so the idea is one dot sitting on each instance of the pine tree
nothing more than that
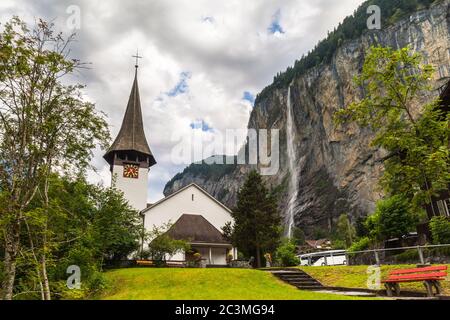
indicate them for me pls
(346, 231)
(257, 222)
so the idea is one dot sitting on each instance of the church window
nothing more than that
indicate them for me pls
(192, 197)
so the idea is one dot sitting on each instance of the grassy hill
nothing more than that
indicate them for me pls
(356, 277)
(202, 284)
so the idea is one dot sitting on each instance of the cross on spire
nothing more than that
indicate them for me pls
(137, 56)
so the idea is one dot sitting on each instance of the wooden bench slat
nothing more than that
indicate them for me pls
(416, 277)
(418, 270)
(144, 262)
(413, 280)
(419, 276)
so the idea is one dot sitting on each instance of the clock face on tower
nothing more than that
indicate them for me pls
(131, 171)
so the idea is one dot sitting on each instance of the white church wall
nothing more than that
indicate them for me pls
(135, 190)
(189, 201)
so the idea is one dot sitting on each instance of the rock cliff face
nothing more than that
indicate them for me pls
(337, 169)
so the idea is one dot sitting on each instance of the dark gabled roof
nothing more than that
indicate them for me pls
(195, 229)
(317, 243)
(131, 136)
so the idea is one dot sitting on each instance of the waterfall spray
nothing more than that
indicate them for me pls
(292, 156)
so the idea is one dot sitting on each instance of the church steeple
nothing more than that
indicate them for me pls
(129, 156)
(131, 140)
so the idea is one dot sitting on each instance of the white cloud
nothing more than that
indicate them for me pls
(224, 45)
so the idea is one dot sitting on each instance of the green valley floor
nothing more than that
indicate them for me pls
(202, 284)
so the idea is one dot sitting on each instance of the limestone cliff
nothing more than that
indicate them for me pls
(337, 170)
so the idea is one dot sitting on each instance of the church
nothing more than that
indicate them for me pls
(195, 216)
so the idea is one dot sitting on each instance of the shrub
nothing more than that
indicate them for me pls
(162, 245)
(408, 256)
(393, 218)
(440, 230)
(298, 236)
(319, 233)
(197, 256)
(1, 271)
(97, 283)
(346, 232)
(339, 244)
(360, 245)
(285, 254)
(61, 292)
(444, 251)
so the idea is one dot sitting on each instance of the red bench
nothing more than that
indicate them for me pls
(429, 275)
(170, 264)
(145, 263)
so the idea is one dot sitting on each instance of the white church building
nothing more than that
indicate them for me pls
(195, 215)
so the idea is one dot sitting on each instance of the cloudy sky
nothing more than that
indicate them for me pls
(203, 62)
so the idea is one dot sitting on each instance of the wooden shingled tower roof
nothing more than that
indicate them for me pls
(131, 137)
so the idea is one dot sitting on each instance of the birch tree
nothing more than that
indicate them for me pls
(45, 125)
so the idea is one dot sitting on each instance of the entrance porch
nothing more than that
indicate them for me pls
(211, 254)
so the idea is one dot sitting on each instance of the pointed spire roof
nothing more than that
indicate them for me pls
(131, 136)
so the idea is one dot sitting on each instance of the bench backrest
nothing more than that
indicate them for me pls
(432, 269)
(144, 262)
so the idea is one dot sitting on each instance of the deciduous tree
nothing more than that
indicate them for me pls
(414, 135)
(45, 125)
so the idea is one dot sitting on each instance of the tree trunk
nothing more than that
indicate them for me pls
(33, 251)
(47, 295)
(11, 251)
(258, 257)
(46, 286)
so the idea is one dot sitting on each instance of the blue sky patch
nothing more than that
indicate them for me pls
(182, 85)
(248, 96)
(275, 25)
(201, 124)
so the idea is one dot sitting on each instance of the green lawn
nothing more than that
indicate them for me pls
(356, 277)
(202, 284)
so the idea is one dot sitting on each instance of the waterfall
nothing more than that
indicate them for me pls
(293, 165)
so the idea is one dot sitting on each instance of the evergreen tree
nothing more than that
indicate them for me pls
(257, 222)
(298, 236)
(346, 231)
